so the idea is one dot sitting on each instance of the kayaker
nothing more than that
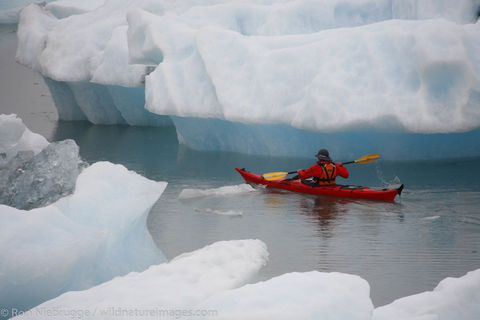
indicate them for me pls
(324, 171)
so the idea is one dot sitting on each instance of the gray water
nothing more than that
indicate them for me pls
(401, 248)
(404, 247)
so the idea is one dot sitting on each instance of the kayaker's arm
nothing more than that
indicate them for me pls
(341, 170)
(305, 174)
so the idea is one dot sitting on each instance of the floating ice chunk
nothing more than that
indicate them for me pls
(15, 137)
(222, 191)
(32, 181)
(309, 295)
(180, 284)
(453, 298)
(232, 213)
(430, 218)
(81, 240)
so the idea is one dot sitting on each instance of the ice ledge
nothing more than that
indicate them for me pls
(282, 140)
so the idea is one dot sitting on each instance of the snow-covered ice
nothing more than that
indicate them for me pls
(308, 295)
(213, 279)
(453, 298)
(81, 240)
(335, 79)
(232, 75)
(179, 284)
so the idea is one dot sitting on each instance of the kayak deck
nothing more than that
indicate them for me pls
(302, 186)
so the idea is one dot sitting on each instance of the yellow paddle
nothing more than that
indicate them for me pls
(280, 175)
(365, 159)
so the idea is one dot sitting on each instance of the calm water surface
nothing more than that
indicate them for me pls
(401, 248)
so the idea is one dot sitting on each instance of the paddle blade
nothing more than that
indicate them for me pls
(274, 175)
(368, 158)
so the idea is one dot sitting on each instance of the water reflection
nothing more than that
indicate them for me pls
(324, 212)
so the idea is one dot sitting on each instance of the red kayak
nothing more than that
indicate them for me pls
(336, 190)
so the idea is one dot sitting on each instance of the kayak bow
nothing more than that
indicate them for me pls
(337, 190)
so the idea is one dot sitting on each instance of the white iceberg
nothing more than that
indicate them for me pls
(308, 295)
(81, 240)
(453, 298)
(164, 289)
(270, 77)
(210, 282)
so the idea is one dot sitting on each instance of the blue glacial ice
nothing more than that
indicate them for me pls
(270, 77)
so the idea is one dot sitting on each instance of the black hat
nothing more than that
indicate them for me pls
(323, 155)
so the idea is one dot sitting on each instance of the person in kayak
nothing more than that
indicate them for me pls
(324, 171)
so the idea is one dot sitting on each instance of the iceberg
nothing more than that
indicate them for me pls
(167, 288)
(453, 298)
(211, 282)
(307, 295)
(89, 237)
(270, 77)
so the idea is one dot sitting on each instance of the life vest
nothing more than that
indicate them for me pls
(327, 177)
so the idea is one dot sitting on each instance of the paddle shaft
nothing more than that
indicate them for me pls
(349, 162)
(280, 175)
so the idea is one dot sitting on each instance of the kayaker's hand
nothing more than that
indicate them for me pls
(339, 163)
